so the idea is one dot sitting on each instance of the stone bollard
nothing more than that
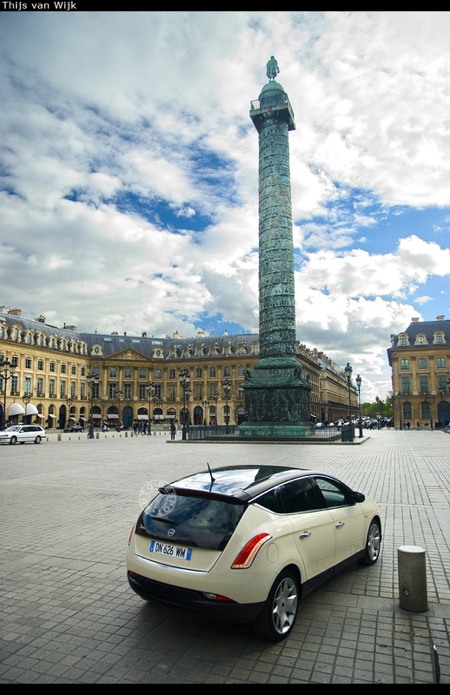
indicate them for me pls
(59, 437)
(412, 578)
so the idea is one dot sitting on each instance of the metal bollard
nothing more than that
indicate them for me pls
(412, 578)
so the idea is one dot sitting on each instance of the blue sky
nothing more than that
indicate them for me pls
(129, 172)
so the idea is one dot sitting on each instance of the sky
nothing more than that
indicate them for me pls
(129, 172)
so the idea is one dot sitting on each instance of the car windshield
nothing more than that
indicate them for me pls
(198, 520)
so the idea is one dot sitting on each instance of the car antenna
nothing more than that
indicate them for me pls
(212, 477)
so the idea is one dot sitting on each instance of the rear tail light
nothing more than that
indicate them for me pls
(131, 533)
(248, 552)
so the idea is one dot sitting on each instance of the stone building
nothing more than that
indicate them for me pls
(420, 362)
(47, 371)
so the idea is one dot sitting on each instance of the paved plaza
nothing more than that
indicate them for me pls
(68, 615)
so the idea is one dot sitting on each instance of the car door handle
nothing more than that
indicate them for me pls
(306, 534)
(340, 524)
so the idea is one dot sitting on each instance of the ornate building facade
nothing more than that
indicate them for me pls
(55, 376)
(420, 362)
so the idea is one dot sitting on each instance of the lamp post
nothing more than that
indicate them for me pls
(69, 404)
(26, 399)
(430, 400)
(400, 409)
(103, 402)
(92, 380)
(226, 383)
(7, 370)
(205, 410)
(216, 398)
(348, 371)
(150, 389)
(118, 395)
(184, 380)
(358, 384)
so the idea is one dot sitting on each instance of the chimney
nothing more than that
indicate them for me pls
(440, 318)
(415, 319)
(15, 312)
(41, 319)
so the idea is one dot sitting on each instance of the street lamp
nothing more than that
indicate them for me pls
(26, 399)
(226, 383)
(216, 398)
(69, 404)
(150, 389)
(430, 400)
(119, 395)
(7, 370)
(184, 380)
(358, 384)
(400, 409)
(348, 371)
(205, 410)
(92, 380)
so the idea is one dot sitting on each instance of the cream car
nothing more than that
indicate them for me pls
(246, 543)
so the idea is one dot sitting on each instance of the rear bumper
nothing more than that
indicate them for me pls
(227, 611)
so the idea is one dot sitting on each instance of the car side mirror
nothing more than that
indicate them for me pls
(359, 497)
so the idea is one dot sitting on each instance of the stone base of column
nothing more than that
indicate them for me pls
(276, 400)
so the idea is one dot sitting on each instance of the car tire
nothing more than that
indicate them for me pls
(13, 440)
(38, 440)
(277, 619)
(373, 544)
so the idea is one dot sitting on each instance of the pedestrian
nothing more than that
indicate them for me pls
(173, 430)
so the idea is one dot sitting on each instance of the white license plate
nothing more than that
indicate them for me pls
(175, 551)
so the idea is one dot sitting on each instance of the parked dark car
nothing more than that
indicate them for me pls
(75, 428)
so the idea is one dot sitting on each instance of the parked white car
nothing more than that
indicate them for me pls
(22, 433)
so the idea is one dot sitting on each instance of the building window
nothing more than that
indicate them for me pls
(27, 384)
(407, 411)
(198, 392)
(96, 371)
(40, 386)
(127, 373)
(405, 386)
(127, 391)
(241, 371)
(438, 338)
(422, 362)
(27, 362)
(198, 373)
(15, 361)
(442, 383)
(14, 384)
(420, 339)
(227, 371)
(142, 374)
(142, 392)
(63, 369)
(212, 372)
(402, 340)
(157, 374)
(404, 364)
(62, 389)
(40, 365)
(112, 372)
(440, 362)
(83, 371)
(112, 390)
(51, 387)
(423, 384)
(52, 367)
(425, 410)
(172, 374)
(171, 392)
(74, 369)
(83, 391)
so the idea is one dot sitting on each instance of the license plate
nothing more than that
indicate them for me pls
(175, 551)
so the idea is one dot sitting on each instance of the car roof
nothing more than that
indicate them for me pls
(241, 482)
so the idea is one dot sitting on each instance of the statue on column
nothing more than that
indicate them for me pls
(272, 68)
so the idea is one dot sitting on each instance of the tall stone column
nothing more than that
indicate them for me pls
(277, 396)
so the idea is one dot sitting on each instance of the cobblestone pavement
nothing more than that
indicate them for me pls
(68, 615)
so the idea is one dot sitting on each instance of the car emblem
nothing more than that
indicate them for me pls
(171, 532)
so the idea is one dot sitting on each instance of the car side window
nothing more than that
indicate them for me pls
(333, 494)
(272, 501)
(300, 496)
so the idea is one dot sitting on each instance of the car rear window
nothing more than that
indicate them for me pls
(198, 520)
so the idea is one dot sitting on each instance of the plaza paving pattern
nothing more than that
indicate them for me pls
(68, 615)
